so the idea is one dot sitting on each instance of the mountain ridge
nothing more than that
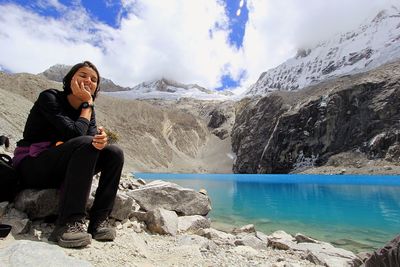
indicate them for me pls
(350, 119)
(169, 89)
(163, 88)
(370, 45)
(58, 71)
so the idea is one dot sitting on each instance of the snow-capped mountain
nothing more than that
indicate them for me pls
(159, 89)
(169, 89)
(370, 45)
(58, 71)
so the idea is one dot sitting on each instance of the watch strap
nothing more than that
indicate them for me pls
(85, 105)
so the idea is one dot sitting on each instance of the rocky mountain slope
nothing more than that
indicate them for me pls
(155, 137)
(287, 131)
(370, 45)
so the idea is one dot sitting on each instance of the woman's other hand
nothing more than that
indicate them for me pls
(100, 139)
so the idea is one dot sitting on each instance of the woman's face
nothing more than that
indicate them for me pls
(88, 77)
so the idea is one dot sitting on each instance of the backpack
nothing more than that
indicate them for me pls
(9, 181)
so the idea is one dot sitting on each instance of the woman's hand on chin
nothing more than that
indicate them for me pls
(78, 90)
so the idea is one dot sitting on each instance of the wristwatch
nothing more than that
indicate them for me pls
(85, 105)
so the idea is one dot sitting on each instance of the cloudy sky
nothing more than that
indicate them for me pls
(218, 44)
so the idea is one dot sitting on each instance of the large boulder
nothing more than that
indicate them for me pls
(170, 196)
(29, 253)
(44, 203)
(123, 207)
(320, 253)
(38, 203)
(389, 255)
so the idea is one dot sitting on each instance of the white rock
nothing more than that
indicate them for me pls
(162, 221)
(245, 251)
(192, 223)
(23, 253)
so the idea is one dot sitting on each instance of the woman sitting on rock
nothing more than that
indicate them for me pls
(62, 147)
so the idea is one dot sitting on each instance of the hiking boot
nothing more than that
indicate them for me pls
(71, 235)
(101, 230)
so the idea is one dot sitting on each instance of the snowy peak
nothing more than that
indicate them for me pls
(165, 85)
(158, 89)
(370, 45)
(56, 72)
(169, 89)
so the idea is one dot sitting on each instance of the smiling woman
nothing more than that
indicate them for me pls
(63, 148)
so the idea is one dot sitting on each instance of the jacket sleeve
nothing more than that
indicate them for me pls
(52, 110)
(92, 125)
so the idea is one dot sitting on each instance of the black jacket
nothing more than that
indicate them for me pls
(53, 119)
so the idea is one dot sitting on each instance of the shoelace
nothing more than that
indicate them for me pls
(76, 227)
(103, 224)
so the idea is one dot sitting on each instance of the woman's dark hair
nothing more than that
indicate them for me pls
(67, 79)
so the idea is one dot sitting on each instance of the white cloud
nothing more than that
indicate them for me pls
(182, 40)
(31, 43)
(51, 3)
(174, 39)
(276, 29)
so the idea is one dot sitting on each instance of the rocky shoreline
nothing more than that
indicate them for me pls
(136, 247)
(158, 224)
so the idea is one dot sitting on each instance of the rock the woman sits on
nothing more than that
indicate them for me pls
(62, 147)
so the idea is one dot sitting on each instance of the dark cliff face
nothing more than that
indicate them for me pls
(254, 124)
(277, 134)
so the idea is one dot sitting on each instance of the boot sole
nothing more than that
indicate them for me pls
(75, 243)
(106, 236)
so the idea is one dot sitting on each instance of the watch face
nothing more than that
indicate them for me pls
(85, 105)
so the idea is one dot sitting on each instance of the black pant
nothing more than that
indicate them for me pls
(71, 167)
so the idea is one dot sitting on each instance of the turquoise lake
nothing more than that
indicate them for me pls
(356, 212)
